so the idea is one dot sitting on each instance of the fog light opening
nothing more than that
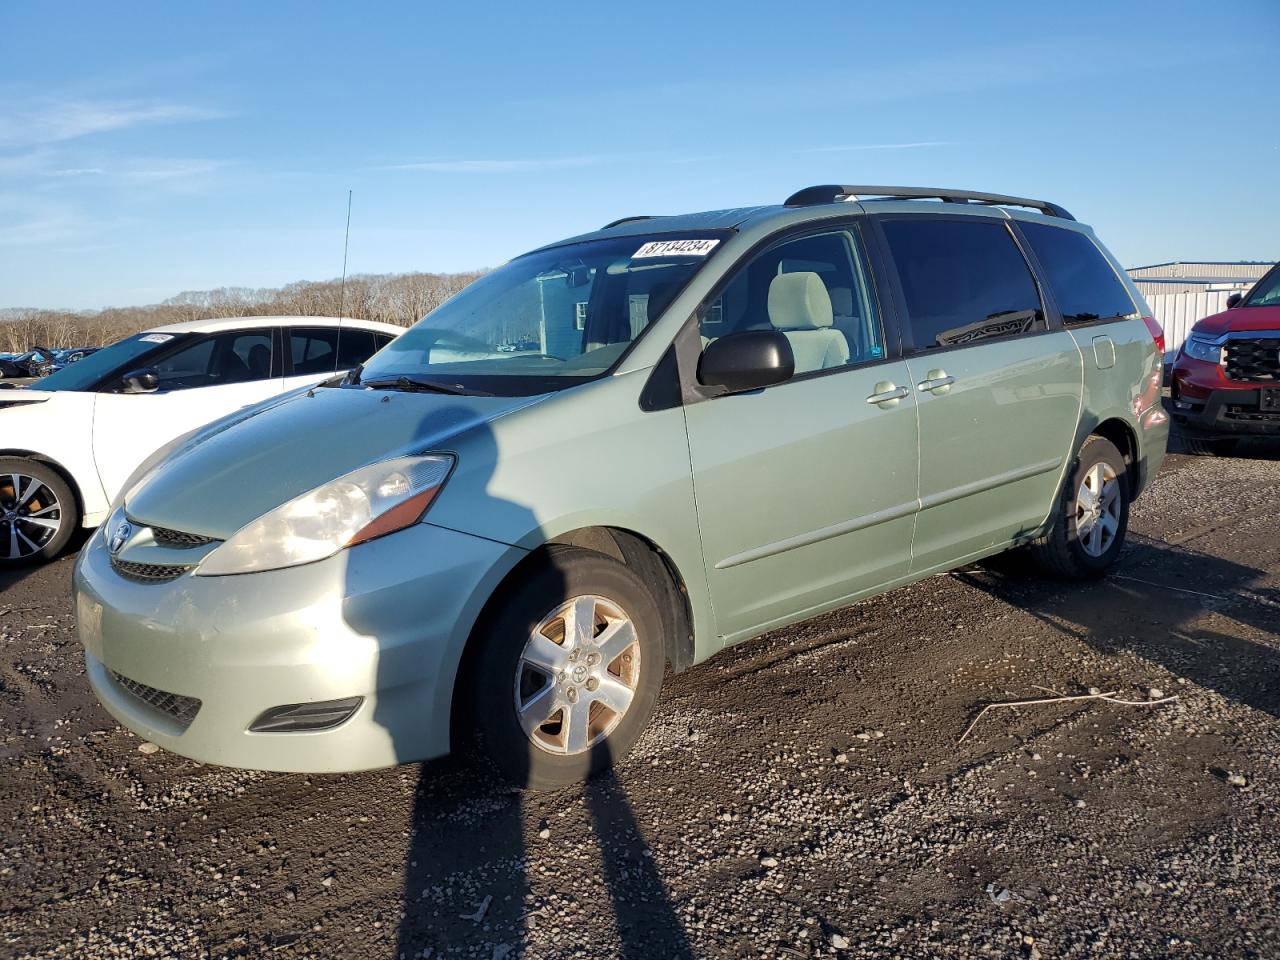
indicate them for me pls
(293, 717)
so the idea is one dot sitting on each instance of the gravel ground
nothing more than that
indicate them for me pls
(804, 795)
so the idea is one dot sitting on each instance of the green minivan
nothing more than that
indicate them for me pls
(621, 453)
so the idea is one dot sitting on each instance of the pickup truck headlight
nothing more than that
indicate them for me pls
(366, 503)
(1199, 348)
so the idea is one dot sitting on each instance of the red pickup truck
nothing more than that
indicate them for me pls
(1226, 376)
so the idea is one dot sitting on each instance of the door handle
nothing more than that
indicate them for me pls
(937, 382)
(888, 394)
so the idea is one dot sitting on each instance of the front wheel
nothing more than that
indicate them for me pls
(1091, 515)
(567, 669)
(38, 512)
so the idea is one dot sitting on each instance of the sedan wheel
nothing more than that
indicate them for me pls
(1098, 509)
(37, 512)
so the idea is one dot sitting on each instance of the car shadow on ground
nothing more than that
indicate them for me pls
(1182, 593)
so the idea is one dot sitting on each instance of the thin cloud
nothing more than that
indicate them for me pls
(853, 148)
(69, 120)
(496, 166)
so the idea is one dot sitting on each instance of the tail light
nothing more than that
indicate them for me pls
(1157, 332)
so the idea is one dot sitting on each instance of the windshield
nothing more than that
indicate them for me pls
(119, 358)
(547, 320)
(1267, 291)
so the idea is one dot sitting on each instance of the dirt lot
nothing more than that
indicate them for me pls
(803, 795)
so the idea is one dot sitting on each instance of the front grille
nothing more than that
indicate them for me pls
(148, 572)
(1254, 358)
(178, 538)
(181, 709)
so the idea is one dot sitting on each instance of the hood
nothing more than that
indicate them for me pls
(235, 475)
(1240, 319)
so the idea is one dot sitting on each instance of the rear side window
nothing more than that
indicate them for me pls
(964, 282)
(1083, 282)
(313, 349)
(354, 346)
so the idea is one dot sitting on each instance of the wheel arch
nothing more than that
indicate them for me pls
(1125, 439)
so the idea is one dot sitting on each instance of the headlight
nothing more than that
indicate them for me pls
(366, 503)
(1199, 348)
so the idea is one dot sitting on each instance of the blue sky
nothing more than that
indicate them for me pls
(151, 148)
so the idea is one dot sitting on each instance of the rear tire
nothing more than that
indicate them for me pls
(38, 512)
(553, 702)
(1091, 516)
(1208, 446)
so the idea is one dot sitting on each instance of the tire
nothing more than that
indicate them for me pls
(1081, 546)
(503, 684)
(1208, 446)
(26, 512)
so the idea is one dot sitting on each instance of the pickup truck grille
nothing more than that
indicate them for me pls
(173, 705)
(1254, 358)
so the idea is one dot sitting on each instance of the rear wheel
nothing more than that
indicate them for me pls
(38, 512)
(567, 669)
(1208, 446)
(1091, 516)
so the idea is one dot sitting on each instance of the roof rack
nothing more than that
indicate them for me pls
(618, 223)
(830, 193)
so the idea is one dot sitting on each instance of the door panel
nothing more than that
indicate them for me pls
(994, 443)
(806, 493)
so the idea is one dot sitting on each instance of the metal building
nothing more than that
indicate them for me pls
(1182, 292)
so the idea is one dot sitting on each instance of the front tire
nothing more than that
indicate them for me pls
(38, 512)
(1091, 516)
(567, 669)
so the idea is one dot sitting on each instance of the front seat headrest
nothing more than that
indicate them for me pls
(799, 301)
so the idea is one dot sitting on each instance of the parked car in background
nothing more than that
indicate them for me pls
(33, 363)
(1225, 381)
(727, 422)
(71, 355)
(68, 442)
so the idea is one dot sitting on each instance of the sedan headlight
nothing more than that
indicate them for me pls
(366, 503)
(1198, 348)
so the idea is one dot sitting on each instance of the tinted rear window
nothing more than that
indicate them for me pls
(963, 281)
(1083, 283)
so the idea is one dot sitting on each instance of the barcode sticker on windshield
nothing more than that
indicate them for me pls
(157, 338)
(675, 248)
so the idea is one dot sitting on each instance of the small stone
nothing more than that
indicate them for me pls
(327, 882)
(768, 862)
(148, 747)
(544, 834)
(1143, 887)
(1236, 780)
(877, 734)
(1077, 802)
(1035, 756)
(842, 758)
(840, 941)
(1155, 693)
(1094, 691)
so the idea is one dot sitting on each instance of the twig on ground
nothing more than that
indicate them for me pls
(1107, 695)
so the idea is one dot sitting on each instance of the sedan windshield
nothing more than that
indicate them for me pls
(119, 358)
(547, 320)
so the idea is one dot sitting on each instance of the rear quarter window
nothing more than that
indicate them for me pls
(1083, 282)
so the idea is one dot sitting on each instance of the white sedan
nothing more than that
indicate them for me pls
(69, 442)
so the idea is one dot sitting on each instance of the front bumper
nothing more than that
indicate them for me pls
(385, 621)
(1231, 413)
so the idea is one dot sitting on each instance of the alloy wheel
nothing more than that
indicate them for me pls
(1098, 509)
(577, 675)
(30, 516)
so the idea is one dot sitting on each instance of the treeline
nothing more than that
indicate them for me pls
(401, 298)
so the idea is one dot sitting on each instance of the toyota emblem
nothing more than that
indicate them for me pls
(119, 536)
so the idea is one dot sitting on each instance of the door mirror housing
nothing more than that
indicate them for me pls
(141, 381)
(748, 360)
(1235, 300)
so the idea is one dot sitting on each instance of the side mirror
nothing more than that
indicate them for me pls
(1234, 300)
(140, 381)
(747, 361)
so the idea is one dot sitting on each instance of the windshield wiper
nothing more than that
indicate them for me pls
(416, 385)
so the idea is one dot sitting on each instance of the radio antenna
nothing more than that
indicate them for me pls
(346, 243)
